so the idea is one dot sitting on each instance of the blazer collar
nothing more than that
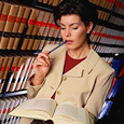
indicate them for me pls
(85, 66)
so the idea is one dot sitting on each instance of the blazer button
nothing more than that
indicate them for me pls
(59, 92)
(64, 78)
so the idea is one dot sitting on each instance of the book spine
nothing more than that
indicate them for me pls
(17, 74)
(47, 30)
(1, 61)
(1, 6)
(4, 115)
(21, 27)
(2, 108)
(8, 27)
(55, 3)
(40, 1)
(4, 64)
(20, 71)
(23, 73)
(12, 102)
(3, 17)
(50, 2)
(6, 70)
(43, 24)
(28, 74)
(16, 27)
(45, 1)
(12, 71)
(59, 39)
(55, 35)
(13, 118)
(35, 30)
(31, 23)
(50, 35)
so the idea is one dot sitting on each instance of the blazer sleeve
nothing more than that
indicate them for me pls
(99, 94)
(32, 91)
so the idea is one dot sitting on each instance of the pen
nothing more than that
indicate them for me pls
(57, 47)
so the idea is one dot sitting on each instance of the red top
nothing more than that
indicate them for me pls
(70, 63)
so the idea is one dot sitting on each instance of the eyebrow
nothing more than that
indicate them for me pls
(70, 24)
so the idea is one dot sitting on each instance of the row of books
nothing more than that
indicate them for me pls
(49, 2)
(12, 23)
(14, 72)
(19, 69)
(116, 6)
(108, 60)
(117, 20)
(41, 31)
(109, 49)
(8, 104)
(106, 40)
(108, 4)
(119, 9)
(40, 27)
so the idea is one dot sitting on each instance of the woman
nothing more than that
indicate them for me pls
(74, 72)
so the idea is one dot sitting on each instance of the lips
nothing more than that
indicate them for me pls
(69, 41)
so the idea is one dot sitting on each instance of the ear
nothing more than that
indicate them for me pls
(89, 27)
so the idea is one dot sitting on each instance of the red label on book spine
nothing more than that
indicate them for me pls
(23, 67)
(24, 20)
(9, 110)
(17, 68)
(7, 68)
(4, 111)
(12, 68)
(3, 17)
(18, 20)
(11, 19)
(2, 68)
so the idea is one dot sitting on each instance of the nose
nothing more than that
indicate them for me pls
(67, 32)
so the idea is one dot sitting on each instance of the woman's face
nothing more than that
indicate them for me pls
(74, 31)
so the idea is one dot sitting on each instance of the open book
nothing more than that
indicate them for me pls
(47, 109)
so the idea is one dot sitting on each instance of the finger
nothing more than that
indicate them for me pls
(43, 54)
(42, 61)
(48, 61)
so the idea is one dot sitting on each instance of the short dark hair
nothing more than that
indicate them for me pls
(85, 9)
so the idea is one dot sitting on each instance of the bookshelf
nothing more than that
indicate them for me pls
(107, 37)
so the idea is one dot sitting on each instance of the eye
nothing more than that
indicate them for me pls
(74, 28)
(62, 28)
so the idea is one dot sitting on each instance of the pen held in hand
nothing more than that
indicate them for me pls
(57, 47)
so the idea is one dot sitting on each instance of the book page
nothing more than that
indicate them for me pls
(70, 113)
(38, 108)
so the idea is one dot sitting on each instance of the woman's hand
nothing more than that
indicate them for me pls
(41, 67)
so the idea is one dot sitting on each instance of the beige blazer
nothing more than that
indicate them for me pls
(86, 85)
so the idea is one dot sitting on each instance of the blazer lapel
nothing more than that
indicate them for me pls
(85, 66)
(57, 65)
(58, 61)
